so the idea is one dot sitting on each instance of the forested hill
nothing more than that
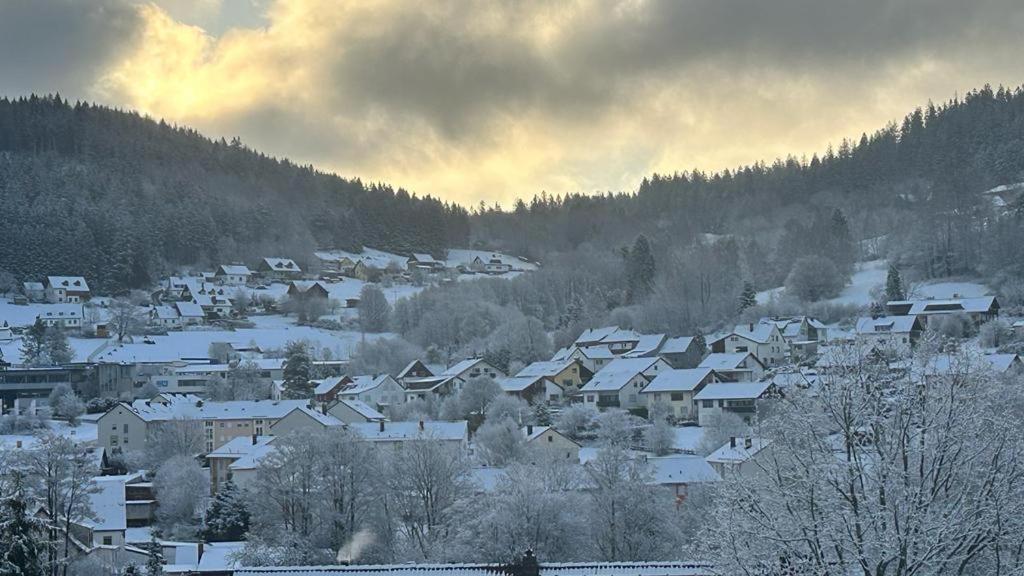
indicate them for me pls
(917, 182)
(120, 198)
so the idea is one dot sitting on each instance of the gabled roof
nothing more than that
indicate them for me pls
(363, 409)
(32, 286)
(165, 312)
(365, 383)
(733, 391)
(427, 383)
(951, 305)
(233, 270)
(520, 383)
(237, 447)
(759, 332)
(681, 469)
(738, 454)
(596, 352)
(677, 345)
(887, 325)
(399, 431)
(409, 367)
(647, 345)
(685, 380)
(330, 383)
(550, 368)
(282, 264)
(595, 334)
(320, 417)
(727, 361)
(538, 431)
(187, 408)
(108, 503)
(424, 258)
(460, 367)
(618, 373)
(73, 283)
(189, 310)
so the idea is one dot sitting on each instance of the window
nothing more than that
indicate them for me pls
(551, 438)
(108, 540)
(707, 403)
(679, 396)
(124, 428)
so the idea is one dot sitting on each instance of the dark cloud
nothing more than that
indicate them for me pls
(61, 45)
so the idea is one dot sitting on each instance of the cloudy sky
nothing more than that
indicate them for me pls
(502, 99)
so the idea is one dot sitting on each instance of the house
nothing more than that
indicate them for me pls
(570, 374)
(533, 389)
(618, 384)
(683, 352)
(738, 457)
(189, 313)
(279, 269)
(617, 340)
(739, 398)
(544, 443)
(213, 305)
(424, 262)
(326, 390)
(166, 316)
(894, 335)
(34, 291)
(125, 427)
(646, 346)
(803, 334)
(677, 473)
(417, 369)
(427, 386)
(333, 262)
(65, 316)
(941, 365)
(594, 358)
(473, 368)
(308, 289)
(736, 367)
(36, 382)
(978, 310)
(763, 340)
(221, 460)
(353, 411)
(302, 419)
(676, 389)
(6, 333)
(109, 513)
(232, 274)
(395, 434)
(378, 391)
(66, 289)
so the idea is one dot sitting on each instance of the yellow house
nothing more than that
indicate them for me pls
(570, 374)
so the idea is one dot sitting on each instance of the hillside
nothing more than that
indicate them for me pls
(120, 198)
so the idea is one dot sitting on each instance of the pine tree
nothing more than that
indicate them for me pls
(20, 533)
(227, 519)
(56, 347)
(33, 343)
(640, 269)
(297, 368)
(894, 285)
(541, 414)
(700, 343)
(748, 298)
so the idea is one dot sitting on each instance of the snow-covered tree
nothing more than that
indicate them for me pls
(64, 403)
(576, 421)
(875, 472)
(125, 318)
(894, 289)
(297, 371)
(660, 436)
(511, 407)
(170, 438)
(56, 347)
(374, 310)
(501, 442)
(616, 428)
(22, 535)
(227, 518)
(181, 487)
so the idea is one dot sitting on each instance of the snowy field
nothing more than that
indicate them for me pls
(84, 432)
(870, 275)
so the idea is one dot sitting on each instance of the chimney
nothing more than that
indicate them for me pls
(199, 549)
(732, 441)
(529, 429)
(748, 442)
(381, 425)
(526, 566)
(421, 425)
(751, 326)
(323, 408)
(17, 444)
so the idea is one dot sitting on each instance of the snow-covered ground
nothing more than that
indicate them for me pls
(940, 290)
(84, 432)
(866, 277)
(688, 438)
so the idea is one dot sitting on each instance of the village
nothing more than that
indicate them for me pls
(683, 408)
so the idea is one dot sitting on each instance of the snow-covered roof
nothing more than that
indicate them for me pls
(646, 345)
(732, 391)
(946, 306)
(536, 431)
(32, 286)
(677, 345)
(165, 312)
(108, 503)
(886, 325)
(424, 258)
(229, 410)
(189, 310)
(401, 431)
(740, 453)
(518, 383)
(234, 270)
(365, 383)
(564, 353)
(597, 352)
(946, 363)
(549, 369)
(320, 417)
(363, 409)
(487, 478)
(408, 368)
(327, 384)
(240, 446)
(684, 380)
(759, 332)
(426, 383)
(681, 469)
(61, 311)
(595, 334)
(73, 283)
(617, 374)
(460, 367)
(285, 264)
(726, 361)
(219, 557)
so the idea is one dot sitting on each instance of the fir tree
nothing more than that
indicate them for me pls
(541, 414)
(701, 343)
(33, 343)
(748, 298)
(227, 519)
(640, 269)
(20, 533)
(56, 347)
(297, 368)
(894, 285)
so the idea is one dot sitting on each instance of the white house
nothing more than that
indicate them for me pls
(533, 389)
(279, 269)
(473, 368)
(394, 434)
(739, 398)
(676, 389)
(232, 274)
(735, 367)
(66, 316)
(738, 456)
(890, 334)
(618, 384)
(352, 411)
(66, 289)
(379, 391)
(678, 472)
(166, 316)
(763, 340)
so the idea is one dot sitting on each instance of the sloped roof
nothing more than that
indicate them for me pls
(365, 383)
(363, 409)
(684, 380)
(73, 283)
(545, 569)
(677, 345)
(549, 368)
(166, 312)
(681, 469)
(738, 454)
(947, 306)
(234, 270)
(328, 384)
(726, 361)
(647, 345)
(282, 264)
(518, 383)
(460, 367)
(617, 374)
(733, 391)
(189, 310)
(886, 325)
(400, 431)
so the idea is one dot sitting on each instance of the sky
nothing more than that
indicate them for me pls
(492, 101)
